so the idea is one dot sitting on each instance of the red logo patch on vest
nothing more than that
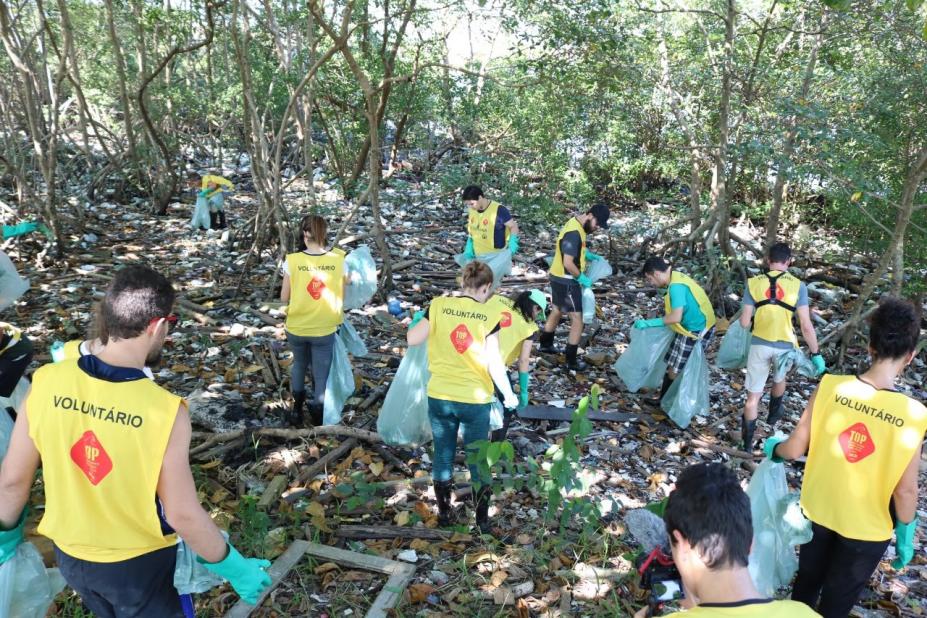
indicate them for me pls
(780, 293)
(856, 443)
(315, 288)
(506, 320)
(91, 458)
(461, 338)
(485, 221)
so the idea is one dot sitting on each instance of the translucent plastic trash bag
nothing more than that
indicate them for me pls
(200, 214)
(598, 269)
(500, 262)
(361, 271)
(6, 430)
(191, 577)
(12, 286)
(778, 526)
(496, 416)
(27, 588)
(642, 365)
(793, 358)
(403, 418)
(340, 384)
(688, 395)
(352, 341)
(735, 346)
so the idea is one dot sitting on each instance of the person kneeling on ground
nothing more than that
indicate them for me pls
(708, 521)
(464, 360)
(863, 440)
(567, 280)
(775, 297)
(114, 448)
(689, 314)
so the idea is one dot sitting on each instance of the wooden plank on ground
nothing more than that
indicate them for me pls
(400, 574)
(278, 572)
(556, 413)
(273, 491)
(392, 532)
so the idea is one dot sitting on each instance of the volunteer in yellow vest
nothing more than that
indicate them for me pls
(112, 444)
(863, 441)
(313, 285)
(74, 349)
(517, 330)
(709, 525)
(770, 301)
(465, 362)
(15, 356)
(490, 227)
(689, 314)
(567, 280)
(214, 188)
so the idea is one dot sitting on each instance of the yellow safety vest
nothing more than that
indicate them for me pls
(770, 609)
(556, 267)
(224, 183)
(773, 318)
(514, 329)
(457, 349)
(700, 297)
(102, 446)
(71, 349)
(862, 439)
(482, 229)
(316, 293)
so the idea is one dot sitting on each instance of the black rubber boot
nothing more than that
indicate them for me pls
(775, 410)
(481, 503)
(443, 490)
(747, 429)
(547, 343)
(213, 220)
(222, 223)
(573, 363)
(315, 414)
(295, 414)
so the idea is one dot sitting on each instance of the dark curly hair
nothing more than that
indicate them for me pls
(894, 328)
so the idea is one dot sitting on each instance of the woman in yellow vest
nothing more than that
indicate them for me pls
(313, 285)
(688, 313)
(517, 330)
(465, 362)
(863, 440)
(490, 227)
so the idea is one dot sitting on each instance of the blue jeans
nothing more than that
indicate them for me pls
(314, 352)
(446, 417)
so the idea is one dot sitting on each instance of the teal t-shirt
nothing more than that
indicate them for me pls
(693, 320)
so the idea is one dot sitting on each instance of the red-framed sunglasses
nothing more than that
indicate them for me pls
(170, 319)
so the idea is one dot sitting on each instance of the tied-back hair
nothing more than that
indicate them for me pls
(475, 275)
(894, 328)
(316, 227)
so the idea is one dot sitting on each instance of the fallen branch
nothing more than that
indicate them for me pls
(288, 434)
(392, 532)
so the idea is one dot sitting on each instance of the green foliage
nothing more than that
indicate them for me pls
(253, 526)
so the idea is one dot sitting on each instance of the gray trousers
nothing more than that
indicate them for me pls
(314, 352)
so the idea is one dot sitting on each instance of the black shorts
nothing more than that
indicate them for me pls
(142, 586)
(567, 295)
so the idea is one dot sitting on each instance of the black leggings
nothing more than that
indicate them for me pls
(835, 570)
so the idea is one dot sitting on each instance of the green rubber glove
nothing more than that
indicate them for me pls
(468, 250)
(523, 388)
(592, 257)
(818, 361)
(246, 575)
(10, 539)
(417, 317)
(513, 243)
(769, 448)
(584, 281)
(904, 543)
(20, 229)
(651, 323)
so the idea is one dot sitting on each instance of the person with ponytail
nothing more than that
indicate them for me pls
(313, 285)
(517, 331)
(863, 441)
(466, 365)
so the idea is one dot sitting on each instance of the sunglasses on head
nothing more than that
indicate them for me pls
(170, 319)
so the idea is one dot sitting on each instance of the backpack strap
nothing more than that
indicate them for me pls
(772, 300)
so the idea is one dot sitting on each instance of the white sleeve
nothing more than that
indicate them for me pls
(286, 268)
